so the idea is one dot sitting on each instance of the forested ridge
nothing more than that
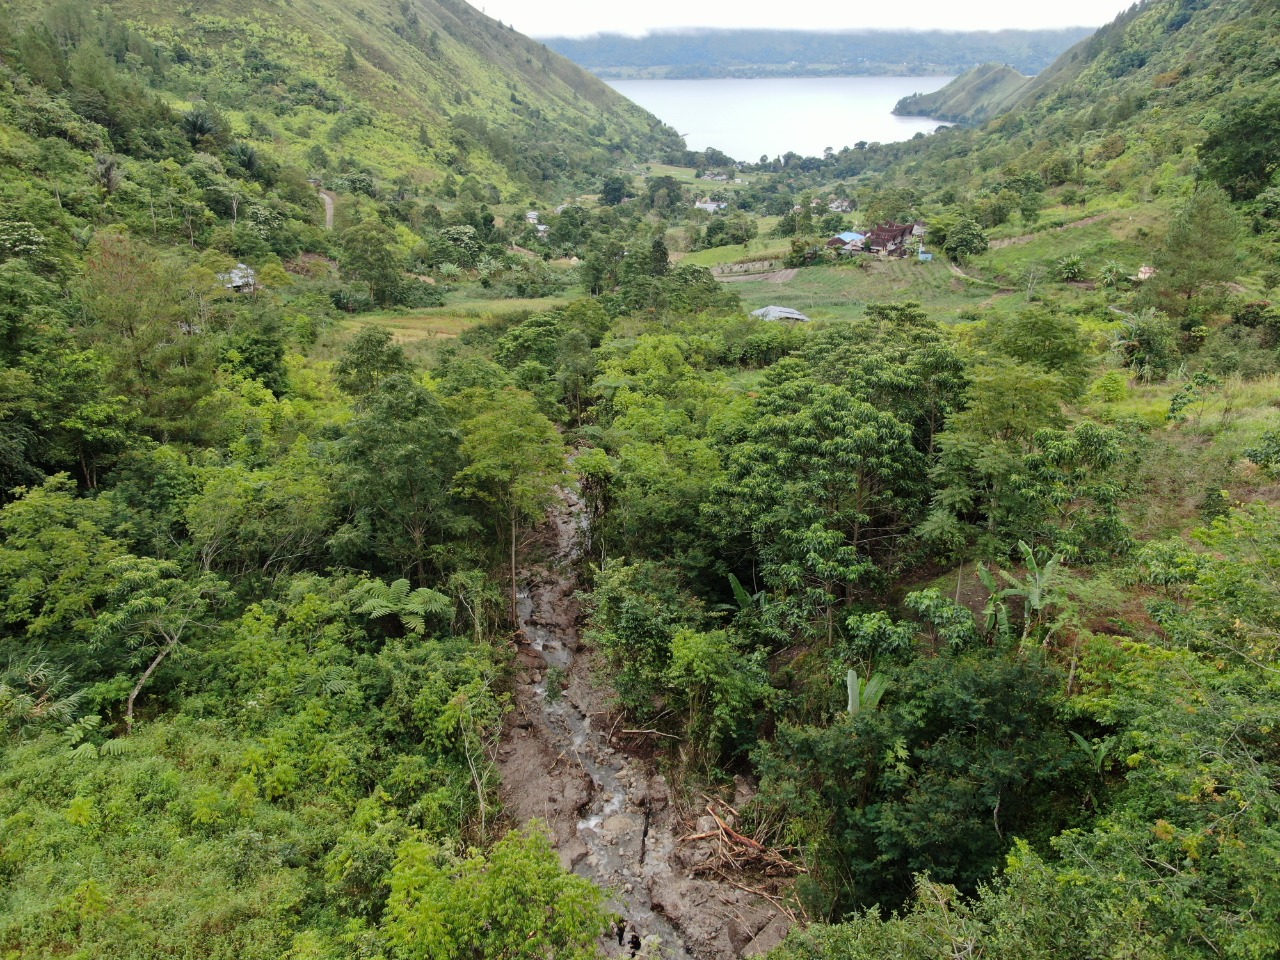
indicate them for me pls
(950, 617)
(803, 53)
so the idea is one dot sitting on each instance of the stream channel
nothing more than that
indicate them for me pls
(610, 813)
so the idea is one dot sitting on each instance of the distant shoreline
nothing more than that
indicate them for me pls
(719, 54)
(620, 73)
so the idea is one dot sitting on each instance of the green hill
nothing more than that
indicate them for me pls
(972, 97)
(1169, 88)
(419, 89)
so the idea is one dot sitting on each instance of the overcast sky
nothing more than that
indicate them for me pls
(577, 18)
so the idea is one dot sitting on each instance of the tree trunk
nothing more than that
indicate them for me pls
(514, 615)
(146, 675)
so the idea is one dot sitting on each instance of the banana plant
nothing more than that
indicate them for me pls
(745, 601)
(1096, 752)
(864, 696)
(1037, 590)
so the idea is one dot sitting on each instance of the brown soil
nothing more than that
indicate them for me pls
(564, 760)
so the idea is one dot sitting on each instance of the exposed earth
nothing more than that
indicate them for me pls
(566, 759)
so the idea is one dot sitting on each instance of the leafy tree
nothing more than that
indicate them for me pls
(964, 239)
(659, 258)
(1043, 338)
(151, 319)
(899, 361)
(1076, 479)
(1240, 150)
(52, 564)
(515, 903)
(371, 357)
(820, 482)
(719, 687)
(613, 191)
(369, 257)
(514, 461)
(154, 610)
(963, 753)
(277, 518)
(398, 462)
(1199, 254)
(979, 497)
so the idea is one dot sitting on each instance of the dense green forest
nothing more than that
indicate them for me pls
(689, 54)
(947, 623)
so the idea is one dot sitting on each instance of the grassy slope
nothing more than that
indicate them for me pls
(974, 96)
(842, 292)
(253, 58)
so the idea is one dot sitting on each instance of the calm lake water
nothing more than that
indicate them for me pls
(750, 118)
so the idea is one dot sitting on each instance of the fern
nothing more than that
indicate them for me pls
(412, 607)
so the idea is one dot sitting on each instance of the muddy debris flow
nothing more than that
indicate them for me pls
(609, 812)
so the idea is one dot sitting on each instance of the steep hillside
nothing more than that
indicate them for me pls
(1169, 88)
(1164, 76)
(974, 96)
(417, 89)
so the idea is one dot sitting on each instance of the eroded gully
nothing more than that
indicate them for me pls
(610, 813)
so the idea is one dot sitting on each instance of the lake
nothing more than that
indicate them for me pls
(750, 118)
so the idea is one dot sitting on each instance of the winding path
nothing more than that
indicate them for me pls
(327, 198)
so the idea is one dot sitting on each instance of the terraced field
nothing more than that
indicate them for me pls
(843, 291)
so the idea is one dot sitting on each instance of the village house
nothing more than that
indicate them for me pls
(711, 206)
(840, 206)
(531, 216)
(889, 237)
(848, 242)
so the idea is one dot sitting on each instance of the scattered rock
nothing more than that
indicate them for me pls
(610, 816)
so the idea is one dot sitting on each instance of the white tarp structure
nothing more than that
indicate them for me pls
(778, 313)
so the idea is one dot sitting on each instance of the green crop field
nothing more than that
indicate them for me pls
(843, 291)
(762, 248)
(432, 323)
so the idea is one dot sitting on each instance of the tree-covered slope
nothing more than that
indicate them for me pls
(808, 53)
(1170, 89)
(1164, 76)
(416, 89)
(974, 96)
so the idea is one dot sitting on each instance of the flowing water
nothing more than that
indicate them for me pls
(611, 816)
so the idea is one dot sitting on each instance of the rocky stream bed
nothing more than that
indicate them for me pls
(564, 760)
